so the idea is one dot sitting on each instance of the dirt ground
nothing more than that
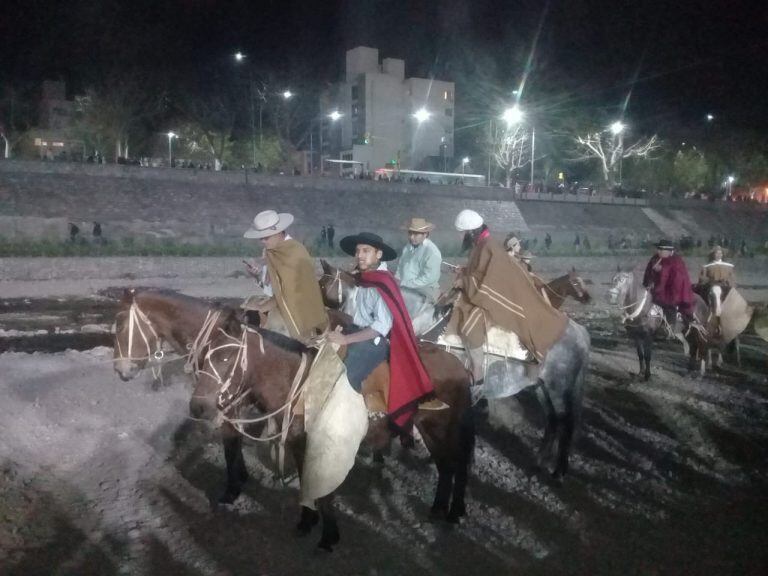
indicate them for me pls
(100, 476)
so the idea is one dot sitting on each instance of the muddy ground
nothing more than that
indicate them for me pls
(99, 476)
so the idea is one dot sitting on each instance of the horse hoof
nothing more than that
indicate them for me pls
(309, 519)
(325, 546)
(453, 518)
(646, 377)
(328, 542)
(228, 497)
(437, 514)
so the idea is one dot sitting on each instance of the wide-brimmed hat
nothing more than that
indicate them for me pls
(665, 245)
(419, 225)
(268, 223)
(349, 244)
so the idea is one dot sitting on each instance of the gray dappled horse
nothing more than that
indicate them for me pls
(559, 383)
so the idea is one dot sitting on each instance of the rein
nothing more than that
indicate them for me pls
(227, 400)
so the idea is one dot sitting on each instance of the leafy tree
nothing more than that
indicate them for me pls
(690, 170)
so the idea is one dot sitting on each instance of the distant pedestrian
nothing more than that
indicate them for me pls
(548, 241)
(331, 232)
(323, 236)
(74, 230)
(587, 245)
(577, 242)
(97, 230)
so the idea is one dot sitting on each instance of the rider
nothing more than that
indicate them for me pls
(287, 279)
(716, 276)
(666, 277)
(419, 267)
(496, 290)
(382, 329)
(526, 257)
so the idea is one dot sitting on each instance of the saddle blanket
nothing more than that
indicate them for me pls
(336, 421)
(498, 342)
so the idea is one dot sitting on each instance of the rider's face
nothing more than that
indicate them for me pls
(664, 253)
(367, 257)
(416, 238)
(718, 254)
(273, 241)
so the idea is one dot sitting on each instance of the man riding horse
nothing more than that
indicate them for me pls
(497, 291)
(666, 277)
(293, 304)
(419, 267)
(716, 279)
(382, 330)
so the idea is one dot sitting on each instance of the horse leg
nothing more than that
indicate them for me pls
(466, 447)
(237, 474)
(572, 409)
(738, 351)
(308, 518)
(445, 474)
(330, 536)
(550, 427)
(640, 354)
(647, 352)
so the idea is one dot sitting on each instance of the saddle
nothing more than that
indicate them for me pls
(502, 343)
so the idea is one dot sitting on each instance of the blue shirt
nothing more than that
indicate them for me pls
(368, 309)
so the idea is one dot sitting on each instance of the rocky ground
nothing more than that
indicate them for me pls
(100, 476)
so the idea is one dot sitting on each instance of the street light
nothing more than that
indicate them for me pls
(422, 115)
(333, 116)
(617, 129)
(171, 136)
(464, 162)
(515, 115)
(287, 94)
(730, 181)
(239, 56)
(710, 117)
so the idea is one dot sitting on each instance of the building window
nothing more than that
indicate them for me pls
(449, 112)
(355, 91)
(448, 95)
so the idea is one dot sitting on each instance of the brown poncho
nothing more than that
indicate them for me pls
(499, 291)
(297, 293)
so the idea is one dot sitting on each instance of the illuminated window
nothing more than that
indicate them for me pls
(59, 144)
(447, 95)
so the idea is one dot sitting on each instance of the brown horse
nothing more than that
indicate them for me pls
(568, 285)
(264, 373)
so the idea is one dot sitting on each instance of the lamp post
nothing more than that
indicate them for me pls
(421, 115)
(171, 136)
(730, 182)
(333, 116)
(617, 129)
(464, 162)
(239, 58)
(515, 115)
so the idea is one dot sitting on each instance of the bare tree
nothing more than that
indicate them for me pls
(511, 149)
(115, 111)
(609, 148)
(15, 117)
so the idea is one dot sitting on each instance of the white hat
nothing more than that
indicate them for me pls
(268, 223)
(468, 220)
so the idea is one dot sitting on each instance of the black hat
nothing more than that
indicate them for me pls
(665, 245)
(349, 244)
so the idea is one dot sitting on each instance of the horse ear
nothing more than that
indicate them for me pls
(128, 295)
(325, 265)
(231, 321)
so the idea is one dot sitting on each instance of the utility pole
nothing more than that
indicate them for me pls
(533, 150)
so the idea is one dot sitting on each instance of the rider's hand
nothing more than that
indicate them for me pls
(253, 268)
(337, 338)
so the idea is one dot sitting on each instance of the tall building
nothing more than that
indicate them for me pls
(378, 118)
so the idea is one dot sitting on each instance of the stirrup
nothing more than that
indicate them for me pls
(434, 404)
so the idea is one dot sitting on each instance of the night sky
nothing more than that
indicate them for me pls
(678, 59)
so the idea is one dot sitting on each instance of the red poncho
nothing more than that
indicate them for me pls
(671, 284)
(409, 382)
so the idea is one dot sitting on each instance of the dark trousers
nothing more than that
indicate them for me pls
(363, 357)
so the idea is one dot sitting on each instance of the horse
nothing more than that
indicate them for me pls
(570, 284)
(150, 318)
(561, 378)
(338, 287)
(717, 324)
(261, 367)
(640, 316)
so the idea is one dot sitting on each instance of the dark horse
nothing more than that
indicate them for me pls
(271, 364)
(568, 285)
(560, 381)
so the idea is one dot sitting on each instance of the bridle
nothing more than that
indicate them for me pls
(336, 280)
(138, 321)
(231, 395)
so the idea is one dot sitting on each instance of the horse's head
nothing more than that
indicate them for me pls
(136, 338)
(336, 285)
(577, 288)
(221, 376)
(621, 284)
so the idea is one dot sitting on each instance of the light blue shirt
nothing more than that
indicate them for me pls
(419, 266)
(368, 309)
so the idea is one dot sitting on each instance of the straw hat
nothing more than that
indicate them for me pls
(268, 223)
(419, 225)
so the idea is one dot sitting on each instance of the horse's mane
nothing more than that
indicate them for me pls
(284, 342)
(173, 295)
